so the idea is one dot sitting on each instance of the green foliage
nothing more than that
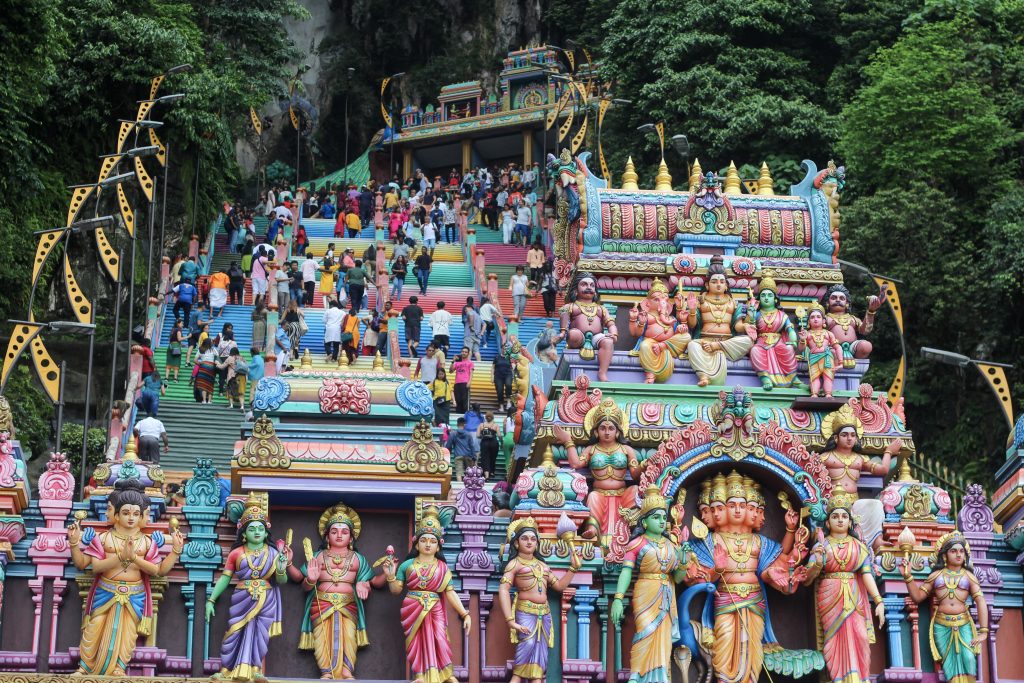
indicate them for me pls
(927, 81)
(280, 173)
(31, 408)
(71, 444)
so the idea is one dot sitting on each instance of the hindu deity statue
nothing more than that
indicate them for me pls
(821, 350)
(257, 568)
(846, 327)
(428, 582)
(846, 462)
(609, 459)
(954, 639)
(774, 351)
(741, 563)
(529, 616)
(583, 322)
(661, 334)
(337, 580)
(719, 324)
(567, 208)
(656, 559)
(840, 568)
(119, 607)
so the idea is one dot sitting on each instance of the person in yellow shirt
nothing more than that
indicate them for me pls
(353, 224)
(327, 276)
(441, 390)
(218, 293)
(350, 335)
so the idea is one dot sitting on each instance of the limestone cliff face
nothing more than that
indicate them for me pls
(435, 42)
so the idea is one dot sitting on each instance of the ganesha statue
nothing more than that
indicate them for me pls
(661, 332)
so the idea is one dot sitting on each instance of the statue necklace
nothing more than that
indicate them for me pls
(338, 576)
(252, 559)
(718, 310)
(589, 310)
(424, 572)
(951, 587)
(844, 320)
(740, 556)
(847, 461)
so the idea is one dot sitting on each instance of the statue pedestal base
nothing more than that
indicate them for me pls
(819, 404)
(901, 674)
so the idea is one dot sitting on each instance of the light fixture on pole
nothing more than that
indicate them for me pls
(602, 107)
(181, 68)
(994, 374)
(90, 224)
(71, 327)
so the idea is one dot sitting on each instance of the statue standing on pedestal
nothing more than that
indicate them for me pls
(841, 564)
(255, 617)
(583, 322)
(718, 324)
(429, 585)
(955, 641)
(662, 334)
(529, 616)
(337, 580)
(119, 607)
(656, 560)
(846, 463)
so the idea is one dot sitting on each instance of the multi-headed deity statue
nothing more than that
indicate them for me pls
(661, 333)
(774, 351)
(718, 324)
(846, 462)
(846, 327)
(610, 459)
(841, 565)
(822, 352)
(119, 607)
(954, 639)
(740, 562)
(529, 616)
(655, 560)
(257, 568)
(337, 580)
(428, 584)
(586, 325)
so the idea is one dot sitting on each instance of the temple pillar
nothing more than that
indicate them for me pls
(406, 163)
(586, 599)
(894, 615)
(527, 148)
(467, 155)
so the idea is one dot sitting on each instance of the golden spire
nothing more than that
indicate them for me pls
(130, 451)
(765, 184)
(663, 181)
(629, 177)
(695, 173)
(342, 359)
(378, 362)
(732, 180)
(307, 360)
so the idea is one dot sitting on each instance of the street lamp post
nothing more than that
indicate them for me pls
(67, 327)
(348, 86)
(994, 374)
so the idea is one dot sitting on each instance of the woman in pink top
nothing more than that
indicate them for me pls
(394, 223)
(463, 369)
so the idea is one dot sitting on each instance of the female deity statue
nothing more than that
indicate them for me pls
(821, 351)
(841, 563)
(424, 620)
(713, 319)
(119, 607)
(609, 460)
(255, 615)
(657, 559)
(955, 641)
(528, 616)
(661, 335)
(774, 351)
(337, 580)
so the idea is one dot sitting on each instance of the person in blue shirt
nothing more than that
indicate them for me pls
(188, 271)
(149, 398)
(275, 227)
(185, 295)
(463, 447)
(256, 372)
(327, 210)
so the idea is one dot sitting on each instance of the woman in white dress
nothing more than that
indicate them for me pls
(333, 316)
(508, 224)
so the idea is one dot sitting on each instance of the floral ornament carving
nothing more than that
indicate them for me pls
(56, 483)
(682, 441)
(734, 420)
(421, 454)
(6, 416)
(771, 435)
(574, 405)
(551, 495)
(271, 393)
(263, 448)
(345, 396)
(708, 210)
(473, 499)
(415, 398)
(203, 489)
(975, 515)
